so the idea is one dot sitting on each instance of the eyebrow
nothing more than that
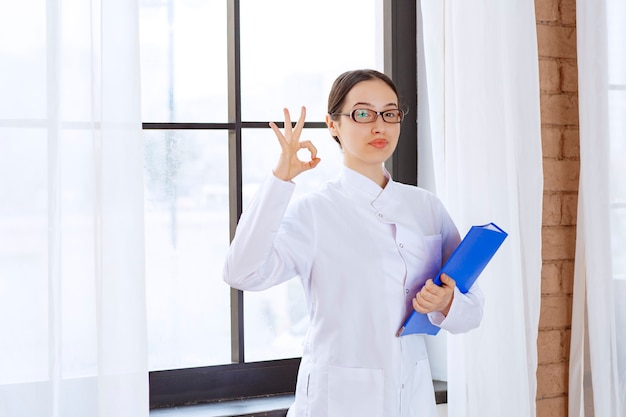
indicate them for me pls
(362, 103)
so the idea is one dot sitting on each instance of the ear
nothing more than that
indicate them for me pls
(332, 125)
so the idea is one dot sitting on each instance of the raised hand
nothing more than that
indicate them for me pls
(289, 165)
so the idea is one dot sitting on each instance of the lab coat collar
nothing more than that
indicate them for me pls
(364, 188)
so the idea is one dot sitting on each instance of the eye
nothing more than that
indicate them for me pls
(363, 114)
(392, 115)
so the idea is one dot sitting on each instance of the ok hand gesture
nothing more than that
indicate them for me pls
(289, 165)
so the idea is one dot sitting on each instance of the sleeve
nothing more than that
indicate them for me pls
(271, 242)
(466, 312)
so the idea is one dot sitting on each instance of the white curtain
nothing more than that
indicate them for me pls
(597, 383)
(481, 78)
(72, 296)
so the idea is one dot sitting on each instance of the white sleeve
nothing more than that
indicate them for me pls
(267, 244)
(466, 311)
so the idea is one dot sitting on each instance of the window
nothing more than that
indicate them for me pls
(213, 75)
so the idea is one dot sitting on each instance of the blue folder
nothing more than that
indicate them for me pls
(464, 266)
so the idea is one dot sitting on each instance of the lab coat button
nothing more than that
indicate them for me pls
(406, 290)
(401, 245)
(380, 215)
(402, 386)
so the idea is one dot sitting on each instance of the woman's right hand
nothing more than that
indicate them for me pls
(289, 165)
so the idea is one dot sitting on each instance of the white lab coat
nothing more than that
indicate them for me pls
(361, 253)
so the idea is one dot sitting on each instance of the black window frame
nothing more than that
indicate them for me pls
(242, 379)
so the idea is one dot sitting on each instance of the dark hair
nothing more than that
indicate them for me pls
(345, 82)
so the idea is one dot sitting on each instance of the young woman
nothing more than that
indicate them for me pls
(365, 249)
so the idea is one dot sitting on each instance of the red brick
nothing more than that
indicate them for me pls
(568, 12)
(550, 278)
(566, 336)
(567, 277)
(550, 346)
(571, 143)
(560, 175)
(551, 215)
(568, 76)
(552, 407)
(569, 209)
(547, 11)
(559, 109)
(556, 312)
(552, 380)
(558, 243)
(556, 41)
(549, 75)
(551, 141)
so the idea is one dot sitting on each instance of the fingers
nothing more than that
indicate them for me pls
(288, 127)
(424, 301)
(289, 164)
(446, 280)
(420, 304)
(291, 133)
(307, 144)
(279, 135)
(433, 297)
(300, 123)
(432, 291)
(312, 163)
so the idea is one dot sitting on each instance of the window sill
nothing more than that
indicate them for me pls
(272, 406)
(275, 406)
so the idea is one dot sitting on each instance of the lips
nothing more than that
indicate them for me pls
(379, 143)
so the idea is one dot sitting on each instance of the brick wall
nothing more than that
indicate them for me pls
(556, 35)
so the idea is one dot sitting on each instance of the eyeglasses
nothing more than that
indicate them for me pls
(370, 116)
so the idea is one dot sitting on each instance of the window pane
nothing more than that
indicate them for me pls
(276, 319)
(291, 56)
(186, 174)
(617, 126)
(183, 61)
(617, 131)
(23, 60)
(23, 255)
(616, 10)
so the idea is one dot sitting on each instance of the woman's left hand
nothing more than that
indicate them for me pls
(435, 298)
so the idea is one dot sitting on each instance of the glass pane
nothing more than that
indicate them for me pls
(183, 60)
(617, 130)
(23, 255)
(618, 241)
(276, 319)
(616, 11)
(23, 63)
(186, 186)
(291, 56)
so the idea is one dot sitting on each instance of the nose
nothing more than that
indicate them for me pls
(379, 124)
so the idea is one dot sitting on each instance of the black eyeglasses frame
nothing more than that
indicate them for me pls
(378, 113)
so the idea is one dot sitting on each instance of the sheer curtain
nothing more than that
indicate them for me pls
(72, 297)
(482, 83)
(597, 383)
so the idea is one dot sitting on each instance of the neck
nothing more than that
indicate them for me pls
(373, 172)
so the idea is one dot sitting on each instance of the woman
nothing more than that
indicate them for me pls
(365, 249)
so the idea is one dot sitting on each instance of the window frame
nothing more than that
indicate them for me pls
(242, 379)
